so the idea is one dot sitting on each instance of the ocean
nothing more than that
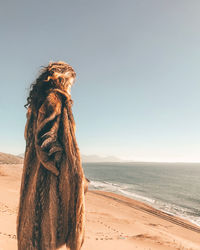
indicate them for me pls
(171, 187)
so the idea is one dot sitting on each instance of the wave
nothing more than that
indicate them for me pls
(129, 190)
(118, 188)
(184, 213)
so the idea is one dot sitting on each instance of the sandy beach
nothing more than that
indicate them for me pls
(112, 221)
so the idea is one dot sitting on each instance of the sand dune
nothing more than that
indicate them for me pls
(112, 221)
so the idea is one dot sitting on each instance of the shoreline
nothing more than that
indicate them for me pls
(119, 222)
(148, 203)
(148, 208)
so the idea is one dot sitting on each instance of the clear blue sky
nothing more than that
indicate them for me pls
(137, 93)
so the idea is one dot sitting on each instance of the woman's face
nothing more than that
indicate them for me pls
(70, 81)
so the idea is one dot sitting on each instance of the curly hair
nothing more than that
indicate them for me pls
(55, 75)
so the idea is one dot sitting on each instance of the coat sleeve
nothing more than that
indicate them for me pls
(48, 147)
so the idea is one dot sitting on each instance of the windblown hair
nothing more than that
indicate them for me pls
(55, 75)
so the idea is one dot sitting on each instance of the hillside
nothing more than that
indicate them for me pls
(97, 158)
(10, 159)
(94, 158)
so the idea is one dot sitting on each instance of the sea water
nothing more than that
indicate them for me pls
(170, 187)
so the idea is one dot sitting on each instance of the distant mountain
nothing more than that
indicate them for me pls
(94, 158)
(10, 159)
(21, 155)
(97, 158)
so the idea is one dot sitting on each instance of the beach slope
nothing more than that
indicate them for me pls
(112, 221)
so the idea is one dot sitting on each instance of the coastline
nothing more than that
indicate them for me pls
(146, 201)
(113, 221)
(117, 222)
(166, 187)
(148, 208)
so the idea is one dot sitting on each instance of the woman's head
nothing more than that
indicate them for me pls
(61, 73)
(56, 75)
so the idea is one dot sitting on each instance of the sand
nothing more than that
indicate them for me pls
(112, 221)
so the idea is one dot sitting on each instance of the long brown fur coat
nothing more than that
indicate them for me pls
(52, 205)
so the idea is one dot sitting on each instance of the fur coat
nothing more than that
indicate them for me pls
(51, 209)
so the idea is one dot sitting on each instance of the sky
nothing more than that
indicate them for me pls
(137, 89)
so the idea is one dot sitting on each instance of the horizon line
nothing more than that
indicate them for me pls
(119, 161)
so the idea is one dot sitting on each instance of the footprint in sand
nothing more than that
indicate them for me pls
(12, 236)
(6, 210)
(120, 235)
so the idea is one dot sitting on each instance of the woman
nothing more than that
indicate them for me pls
(52, 204)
